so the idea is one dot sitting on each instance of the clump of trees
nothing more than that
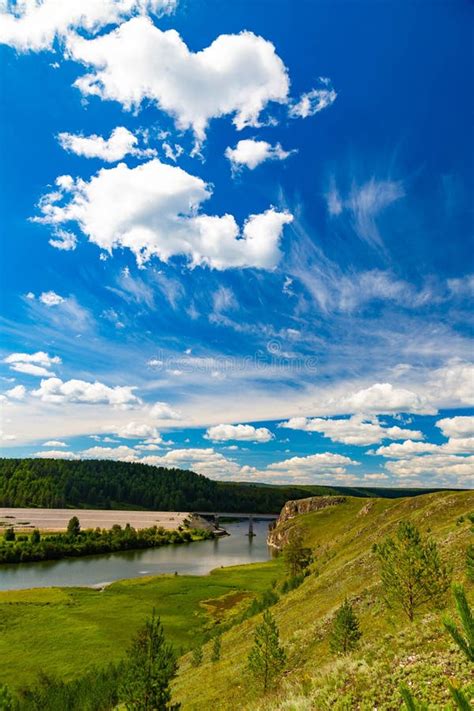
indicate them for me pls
(76, 542)
(267, 657)
(412, 571)
(345, 632)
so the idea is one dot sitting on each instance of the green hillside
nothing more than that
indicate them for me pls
(48, 483)
(391, 651)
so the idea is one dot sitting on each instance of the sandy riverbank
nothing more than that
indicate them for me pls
(57, 519)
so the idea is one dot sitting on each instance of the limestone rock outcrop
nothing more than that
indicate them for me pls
(278, 532)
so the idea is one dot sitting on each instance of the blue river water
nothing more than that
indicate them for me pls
(192, 558)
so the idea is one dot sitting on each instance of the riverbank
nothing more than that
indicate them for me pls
(56, 520)
(75, 543)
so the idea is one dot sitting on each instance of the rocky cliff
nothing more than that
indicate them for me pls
(278, 533)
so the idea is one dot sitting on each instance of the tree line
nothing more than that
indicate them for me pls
(59, 483)
(34, 547)
(44, 483)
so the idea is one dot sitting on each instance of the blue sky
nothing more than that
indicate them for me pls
(237, 237)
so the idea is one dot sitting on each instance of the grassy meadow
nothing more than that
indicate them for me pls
(65, 631)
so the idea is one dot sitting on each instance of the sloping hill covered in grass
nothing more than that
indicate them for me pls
(391, 651)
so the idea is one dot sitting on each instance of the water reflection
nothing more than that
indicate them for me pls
(192, 558)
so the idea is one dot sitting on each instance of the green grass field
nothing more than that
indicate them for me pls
(66, 631)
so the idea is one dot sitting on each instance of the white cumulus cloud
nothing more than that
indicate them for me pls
(120, 143)
(56, 454)
(461, 426)
(50, 298)
(163, 411)
(38, 363)
(242, 433)
(33, 25)
(16, 393)
(251, 153)
(356, 430)
(138, 430)
(236, 75)
(324, 463)
(383, 398)
(54, 443)
(54, 390)
(158, 215)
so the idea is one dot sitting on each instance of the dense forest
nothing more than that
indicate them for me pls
(51, 483)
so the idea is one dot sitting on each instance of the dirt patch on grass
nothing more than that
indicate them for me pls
(219, 607)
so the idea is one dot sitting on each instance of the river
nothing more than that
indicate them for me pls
(196, 558)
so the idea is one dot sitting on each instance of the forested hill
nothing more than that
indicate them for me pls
(52, 483)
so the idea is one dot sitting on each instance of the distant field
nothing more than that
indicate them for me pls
(57, 519)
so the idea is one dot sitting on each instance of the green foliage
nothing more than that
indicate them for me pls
(412, 571)
(74, 527)
(464, 637)
(35, 537)
(470, 563)
(292, 583)
(91, 542)
(151, 665)
(9, 534)
(197, 656)
(410, 702)
(216, 648)
(297, 556)
(345, 633)
(6, 699)
(459, 698)
(267, 657)
(457, 695)
(95, 691)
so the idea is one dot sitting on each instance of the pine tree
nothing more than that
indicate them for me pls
(345, 633)
(151, 667)
(267, 657)
(216, 648)
(412, 571)
(464, 638)
(296, 556)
